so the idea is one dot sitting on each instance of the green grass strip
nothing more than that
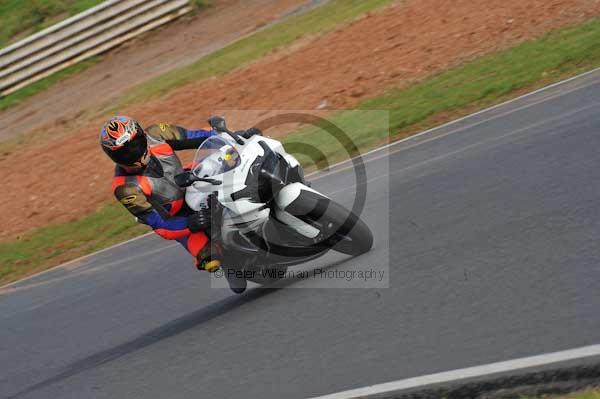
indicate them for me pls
(477, 84)
(586, 394)
(21, 17)
(58, 243)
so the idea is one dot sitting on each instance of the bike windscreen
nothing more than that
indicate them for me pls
(215, 156)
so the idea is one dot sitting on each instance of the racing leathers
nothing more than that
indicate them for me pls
(151, 195)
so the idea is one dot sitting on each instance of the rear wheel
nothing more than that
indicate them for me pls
(268, 275)
(237, 283)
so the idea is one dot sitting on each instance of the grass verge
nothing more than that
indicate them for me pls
(20, 18)
(480, 83)
(58, 243)
(586, 394)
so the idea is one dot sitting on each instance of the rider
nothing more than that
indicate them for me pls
(144, 181)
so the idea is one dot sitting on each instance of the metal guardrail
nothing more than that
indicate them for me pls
(82, 36)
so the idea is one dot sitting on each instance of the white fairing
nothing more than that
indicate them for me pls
(305, 229)
(290, 192)
(285, 197)
(242, 212)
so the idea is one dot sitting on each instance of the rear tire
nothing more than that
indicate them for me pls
(237, 284)
(268, 276)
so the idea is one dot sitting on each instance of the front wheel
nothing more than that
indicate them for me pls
(353, 237)
(339, 228)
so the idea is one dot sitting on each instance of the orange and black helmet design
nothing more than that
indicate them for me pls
(124, 141)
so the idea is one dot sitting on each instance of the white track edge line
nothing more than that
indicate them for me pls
(469, 372)
(433, 129)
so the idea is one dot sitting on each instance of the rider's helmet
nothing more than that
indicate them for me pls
(125, 142)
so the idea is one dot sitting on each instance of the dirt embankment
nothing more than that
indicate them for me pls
(406, 42)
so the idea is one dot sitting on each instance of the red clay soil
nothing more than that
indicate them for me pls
(155, 53)
(392, 47)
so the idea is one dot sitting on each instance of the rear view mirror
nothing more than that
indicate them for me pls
(185, 179)
(218, 124)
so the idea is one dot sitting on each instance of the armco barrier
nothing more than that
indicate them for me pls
(82, 36)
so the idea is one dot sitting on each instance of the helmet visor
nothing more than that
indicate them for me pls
(132, 152)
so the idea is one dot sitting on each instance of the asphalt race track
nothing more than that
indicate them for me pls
(493, 224)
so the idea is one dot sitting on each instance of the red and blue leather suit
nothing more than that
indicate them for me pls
(150, 193)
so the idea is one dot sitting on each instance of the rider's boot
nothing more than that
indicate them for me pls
(209, 259)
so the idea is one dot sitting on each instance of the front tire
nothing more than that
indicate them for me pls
(340, 228)
(353, 237)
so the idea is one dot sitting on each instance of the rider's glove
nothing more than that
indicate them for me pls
(199, 221)
(250, 132)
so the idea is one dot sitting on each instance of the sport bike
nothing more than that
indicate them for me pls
(265, 216)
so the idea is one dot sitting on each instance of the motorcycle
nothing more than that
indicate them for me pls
(265, 216)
